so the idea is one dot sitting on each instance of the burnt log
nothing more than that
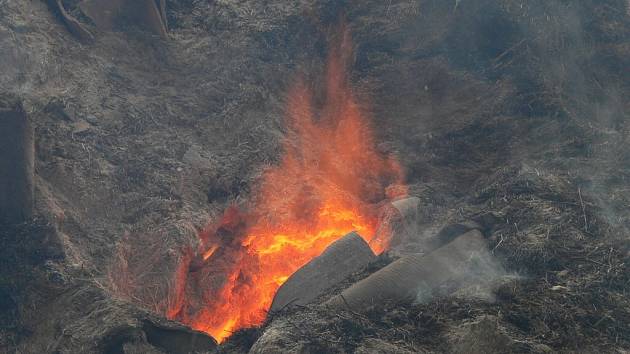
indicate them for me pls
(151, 333)
(450, 232)
(17, 160)
(342, 258)
(74, 26)
(177, 339)
(413, 277)
(483, 222)
(161, 4)
(398, 223)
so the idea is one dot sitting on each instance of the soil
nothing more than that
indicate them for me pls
(512, 107)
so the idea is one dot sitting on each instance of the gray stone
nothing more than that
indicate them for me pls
(342, 258)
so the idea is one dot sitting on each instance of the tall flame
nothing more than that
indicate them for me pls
(324, 187)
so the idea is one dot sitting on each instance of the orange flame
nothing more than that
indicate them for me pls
(324, 187)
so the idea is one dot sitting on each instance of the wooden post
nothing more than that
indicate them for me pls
(17, 159)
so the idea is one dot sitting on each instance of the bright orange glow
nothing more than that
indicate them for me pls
(210, 252)
(326, 185)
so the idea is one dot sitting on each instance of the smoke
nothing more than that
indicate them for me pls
(556, 74)
(460, 263)
(582, 62)
(476, 278)
(565, 114)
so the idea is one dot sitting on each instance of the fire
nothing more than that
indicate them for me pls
(207, 254)
(325, 186)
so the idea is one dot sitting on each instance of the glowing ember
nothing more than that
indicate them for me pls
(323, 188)
(207, 254)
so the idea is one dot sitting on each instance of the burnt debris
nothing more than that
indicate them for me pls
(342, 258)
(414, 277)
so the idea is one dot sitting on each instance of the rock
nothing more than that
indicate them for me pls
(342, 258)
(17, 162)
(414, 277)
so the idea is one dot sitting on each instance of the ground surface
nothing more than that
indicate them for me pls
(514, 107)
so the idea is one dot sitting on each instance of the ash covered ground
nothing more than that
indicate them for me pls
(511, 107)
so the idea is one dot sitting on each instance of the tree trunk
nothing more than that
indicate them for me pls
(17, 154)
(413, 277)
